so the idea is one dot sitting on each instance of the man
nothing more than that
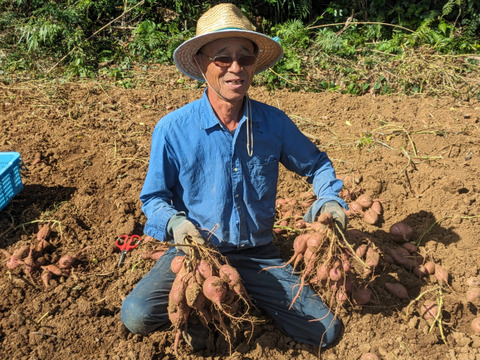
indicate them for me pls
(213, 175)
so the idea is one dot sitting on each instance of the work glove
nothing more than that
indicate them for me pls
(184, 232)
(337, 212)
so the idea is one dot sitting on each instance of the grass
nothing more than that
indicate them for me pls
(420, 72)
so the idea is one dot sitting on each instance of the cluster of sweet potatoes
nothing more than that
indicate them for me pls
(208, 289)
(29, 258)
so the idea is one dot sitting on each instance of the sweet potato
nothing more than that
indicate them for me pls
(306, 273)
(177, 292)
(370, 216)
(429, 309)
(400, 259)
(205, 269)
(229, 274)
(397, 290)
(345, 262)
(473, 281)
(355, 208)
(44, 232)
(194, 296)
(154, 255)
(361, 250)
(42, 245)
(66, 261)
(54, 269)
(377, 207)
(361, 296)
(441, 274)
(476, 325)
(430, 267)
(412, 248)
(341, 296)
(369, 356)
(322, 272)
(299, 248)
(177, 264)
(372, 257)
(473, 294)
(178, 316)
(314, 240)
(420, 270)
(215, 290)
(46, 276)
(401, 232)
(22, 252)
(365, 201)
(12, 261)
(29, 262)
(335, 274)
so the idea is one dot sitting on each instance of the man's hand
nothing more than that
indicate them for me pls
(183, 230)
(337, 212)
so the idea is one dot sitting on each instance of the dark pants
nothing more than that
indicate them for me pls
(308, 321)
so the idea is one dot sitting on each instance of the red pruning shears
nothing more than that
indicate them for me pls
(126, 243)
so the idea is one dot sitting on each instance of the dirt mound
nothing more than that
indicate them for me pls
(86, 145)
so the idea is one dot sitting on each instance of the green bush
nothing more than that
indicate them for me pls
(334, 46)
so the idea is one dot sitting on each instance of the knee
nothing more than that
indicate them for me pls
(138, 316)
(133, 316)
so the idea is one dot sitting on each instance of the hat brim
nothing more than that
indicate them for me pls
(270, 51)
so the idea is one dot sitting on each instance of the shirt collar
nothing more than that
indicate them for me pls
(208, 119)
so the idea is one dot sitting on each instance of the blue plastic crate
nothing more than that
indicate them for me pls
(10, 179)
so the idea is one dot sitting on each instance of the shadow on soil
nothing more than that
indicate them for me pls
(21, 215)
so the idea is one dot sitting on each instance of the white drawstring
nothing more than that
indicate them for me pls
(249, 126)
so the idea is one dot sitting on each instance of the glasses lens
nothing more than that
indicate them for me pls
(226, 61)
(246, 60)
(223, 61)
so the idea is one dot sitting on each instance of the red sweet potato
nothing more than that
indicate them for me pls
(441, 274)
(215, 290)
(44, 232)
(177, 264)
(361, 296)
(365, 201)
(205, 269)
(66, 261)
(429, 309)
(397, 290)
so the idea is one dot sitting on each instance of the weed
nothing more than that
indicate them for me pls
(365, 141)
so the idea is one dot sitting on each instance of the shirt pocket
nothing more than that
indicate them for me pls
(263, 173)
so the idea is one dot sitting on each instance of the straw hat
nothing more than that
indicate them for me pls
(222, 21)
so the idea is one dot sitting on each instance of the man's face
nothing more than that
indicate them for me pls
(230, 80)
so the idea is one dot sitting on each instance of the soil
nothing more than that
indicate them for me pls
(85, 147)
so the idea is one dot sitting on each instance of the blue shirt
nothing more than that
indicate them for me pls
(198, 166)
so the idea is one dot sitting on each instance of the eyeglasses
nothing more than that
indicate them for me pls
(226, 61)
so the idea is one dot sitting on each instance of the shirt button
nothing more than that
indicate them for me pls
(236, 195)
(235, 169)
